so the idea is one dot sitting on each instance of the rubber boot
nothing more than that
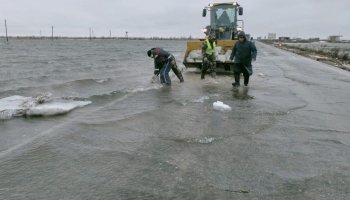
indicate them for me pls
(203, 71)
(236, 83)
(246, 80)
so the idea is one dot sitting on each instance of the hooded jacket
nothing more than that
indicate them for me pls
(161, 57)
(243, 52)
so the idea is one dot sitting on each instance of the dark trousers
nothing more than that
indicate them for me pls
(208, 63)
(177, 72)
(239, 68)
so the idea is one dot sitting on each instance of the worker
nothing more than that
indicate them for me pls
(208, 52)
(243, 52)
(163, 62)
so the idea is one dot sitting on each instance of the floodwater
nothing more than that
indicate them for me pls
(286, 137)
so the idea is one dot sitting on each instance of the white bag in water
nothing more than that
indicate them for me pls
(220, 106)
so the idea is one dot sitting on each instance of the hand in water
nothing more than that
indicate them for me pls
(155, 79)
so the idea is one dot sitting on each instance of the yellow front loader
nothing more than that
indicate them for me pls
(224, 24)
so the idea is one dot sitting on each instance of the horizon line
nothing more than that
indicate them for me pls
(100, 37)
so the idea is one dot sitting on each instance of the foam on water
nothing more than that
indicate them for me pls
(201, 100)
(205, 140)
(101, 80)
(143, 89)
(16, 106)
(55, 108)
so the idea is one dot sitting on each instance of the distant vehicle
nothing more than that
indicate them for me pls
(224, 24)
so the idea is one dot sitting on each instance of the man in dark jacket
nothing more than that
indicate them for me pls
(243, 53)
(163, 62)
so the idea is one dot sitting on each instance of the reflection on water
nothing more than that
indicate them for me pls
(242, 93)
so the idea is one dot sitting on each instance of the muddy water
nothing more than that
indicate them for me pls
(286, 137)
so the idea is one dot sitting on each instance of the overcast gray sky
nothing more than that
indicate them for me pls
(293, 18)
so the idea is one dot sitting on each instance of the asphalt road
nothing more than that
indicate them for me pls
(286, 137)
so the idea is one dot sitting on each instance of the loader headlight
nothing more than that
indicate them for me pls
(204, 30)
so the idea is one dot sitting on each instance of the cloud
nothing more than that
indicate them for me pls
(172, 18)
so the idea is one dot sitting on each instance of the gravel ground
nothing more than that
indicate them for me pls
(335, 54)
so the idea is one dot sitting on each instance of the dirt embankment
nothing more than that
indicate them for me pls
(336, 54)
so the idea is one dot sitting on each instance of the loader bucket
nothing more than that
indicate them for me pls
(193, 57)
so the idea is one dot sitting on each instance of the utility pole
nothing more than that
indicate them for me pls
(51, 32)
(7, 38)
(110, 34)
(90, 34)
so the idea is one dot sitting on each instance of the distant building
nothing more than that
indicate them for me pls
(284, 39)
(271, 36)
(334, 38)
(314, 39)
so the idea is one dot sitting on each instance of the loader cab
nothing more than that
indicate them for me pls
(223, 20)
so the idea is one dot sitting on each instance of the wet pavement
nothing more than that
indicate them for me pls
(286, 137)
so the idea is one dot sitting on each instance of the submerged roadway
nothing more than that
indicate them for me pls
(286, 137)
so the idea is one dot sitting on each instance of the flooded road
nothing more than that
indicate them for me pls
(286, 137)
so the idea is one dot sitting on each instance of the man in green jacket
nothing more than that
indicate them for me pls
(209, 60)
